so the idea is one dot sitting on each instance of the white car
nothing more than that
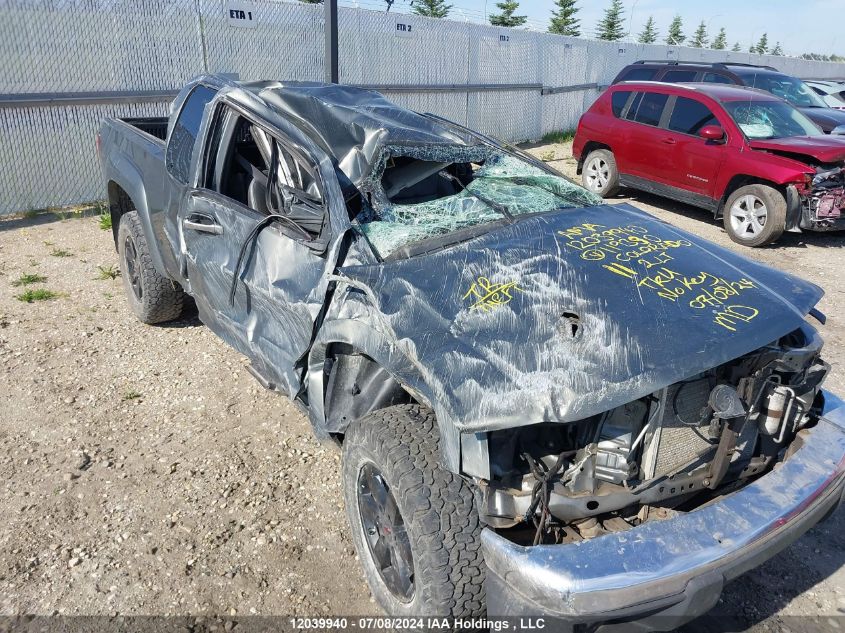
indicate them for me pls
(831, 92)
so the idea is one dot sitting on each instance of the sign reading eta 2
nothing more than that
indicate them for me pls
(240, 14)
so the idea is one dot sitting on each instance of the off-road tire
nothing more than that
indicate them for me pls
(775, 209)
(437, 508)
(609, 184)
(161, 299)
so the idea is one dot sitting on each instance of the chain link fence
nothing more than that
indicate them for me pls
(70, 63)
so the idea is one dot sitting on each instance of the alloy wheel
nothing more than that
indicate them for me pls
(133, 267)
(598, 174)
(748, 216)
(384, 531)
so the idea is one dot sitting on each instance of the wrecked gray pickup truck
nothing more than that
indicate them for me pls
(546, 405)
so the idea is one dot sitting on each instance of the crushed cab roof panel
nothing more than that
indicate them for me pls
(352, 124)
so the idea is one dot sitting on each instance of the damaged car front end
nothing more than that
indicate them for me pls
(617, 390)
(669, 570)
(823, 202)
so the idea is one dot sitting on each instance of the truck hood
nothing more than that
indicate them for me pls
(561, 316)
(825, 149)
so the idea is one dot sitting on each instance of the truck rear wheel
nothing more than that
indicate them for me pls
(755, 215)
(414, 524)
(152, 297)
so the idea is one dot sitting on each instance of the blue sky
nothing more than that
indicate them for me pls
(803, 26)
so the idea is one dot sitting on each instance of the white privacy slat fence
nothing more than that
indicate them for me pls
(84, 48)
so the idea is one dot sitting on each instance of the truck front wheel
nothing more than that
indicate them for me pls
(414, 524)
(152, 297)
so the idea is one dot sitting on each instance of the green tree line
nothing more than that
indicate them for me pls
(564, 20)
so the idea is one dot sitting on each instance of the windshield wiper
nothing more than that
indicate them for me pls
(497, 206)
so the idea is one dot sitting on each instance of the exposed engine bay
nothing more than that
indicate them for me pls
(825, 202)
(671, 451)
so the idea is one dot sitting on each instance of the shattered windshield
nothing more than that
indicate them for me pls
(421, 193)
(770, 119)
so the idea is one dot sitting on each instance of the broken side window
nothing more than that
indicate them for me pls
(259, 171)
(417, 193)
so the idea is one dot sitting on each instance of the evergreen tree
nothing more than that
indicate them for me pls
(563, 20)
(676, 34)
(737, 48)
(699, 38)
(612, 25)
(649, 32)
(431, 8)
(721, 41)
(506, 17)
(762, 45)
(777, 50)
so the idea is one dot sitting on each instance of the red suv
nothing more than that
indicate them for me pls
(744, 154)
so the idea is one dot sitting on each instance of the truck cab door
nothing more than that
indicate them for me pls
(274, 266)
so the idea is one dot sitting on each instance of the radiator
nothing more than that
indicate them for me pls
(682, 434)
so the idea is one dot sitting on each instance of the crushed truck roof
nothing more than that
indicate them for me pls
(353, 124)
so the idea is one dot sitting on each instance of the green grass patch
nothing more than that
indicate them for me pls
(37, 294)
(562, 136)
(107, 272)
(104, 221)
(29, 278)
(60, 252)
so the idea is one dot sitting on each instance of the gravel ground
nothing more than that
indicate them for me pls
(146, 472)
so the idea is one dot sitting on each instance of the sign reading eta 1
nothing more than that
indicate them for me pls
(240, 14)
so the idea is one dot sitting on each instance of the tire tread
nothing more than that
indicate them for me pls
(445, 526)
(163, 299)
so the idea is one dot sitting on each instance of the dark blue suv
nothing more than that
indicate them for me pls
(790, 89)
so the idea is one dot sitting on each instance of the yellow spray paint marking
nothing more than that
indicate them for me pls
(631, 243)
(731, 315)
(631, 252)
(487, 295)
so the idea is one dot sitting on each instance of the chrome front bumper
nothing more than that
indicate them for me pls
(663, 573)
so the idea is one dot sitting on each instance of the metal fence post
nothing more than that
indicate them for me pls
(201, 26)
(330, 27)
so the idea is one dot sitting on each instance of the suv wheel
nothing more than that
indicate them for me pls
(153, 298)
(414, 524)
(755, 215)
(599, 173)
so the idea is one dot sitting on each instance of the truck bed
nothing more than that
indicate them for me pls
(154, 126)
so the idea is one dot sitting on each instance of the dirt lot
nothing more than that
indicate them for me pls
(146, 472)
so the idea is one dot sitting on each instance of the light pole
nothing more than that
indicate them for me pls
(718, 15)
(631, 17)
